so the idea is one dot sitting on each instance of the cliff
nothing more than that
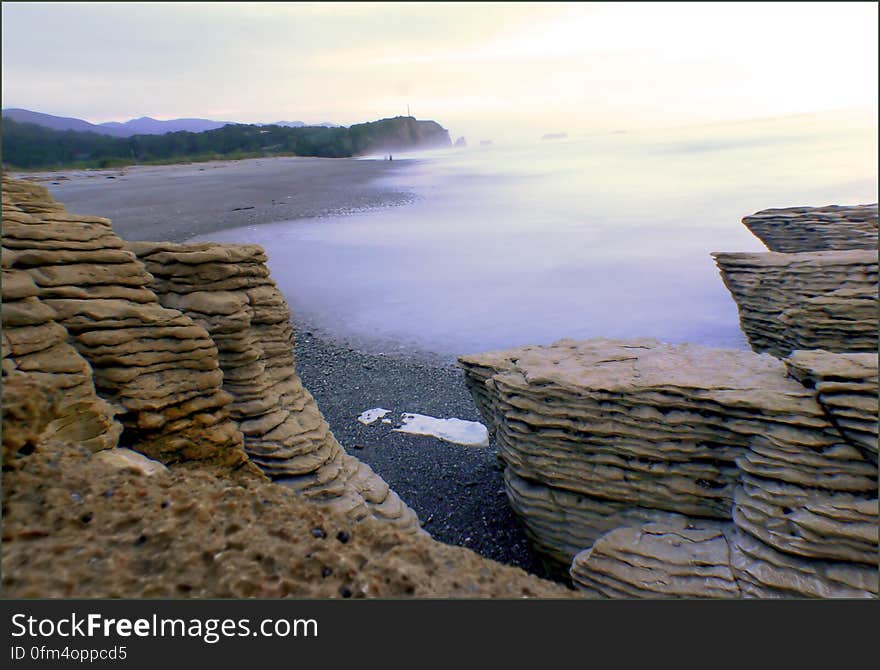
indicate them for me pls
(811, 300)
(401, 133)
(738, 451)
(816, 288)
(192, 369)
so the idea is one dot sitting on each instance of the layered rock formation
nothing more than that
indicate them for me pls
(114, 524)
(820, 502)
(227, 289)
(602, 434)
(763, 572)
(816, 300)
(680, 558)
(154, 364)
(845, 385)
(700, 558)
(37, 355)
(560, 523)
(175, 386)
(636, 425)
(799, 229)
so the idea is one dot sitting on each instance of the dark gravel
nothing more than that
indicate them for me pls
(457, 491)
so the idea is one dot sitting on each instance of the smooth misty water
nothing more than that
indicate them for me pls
(598, 236)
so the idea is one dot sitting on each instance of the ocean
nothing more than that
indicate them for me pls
(605, 235)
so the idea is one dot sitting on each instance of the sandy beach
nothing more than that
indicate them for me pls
(178, 202)
(457, 491)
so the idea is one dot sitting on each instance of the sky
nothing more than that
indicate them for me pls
(480, 69)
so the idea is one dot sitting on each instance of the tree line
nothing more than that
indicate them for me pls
(30, 146)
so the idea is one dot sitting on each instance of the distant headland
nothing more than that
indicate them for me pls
(29, 145)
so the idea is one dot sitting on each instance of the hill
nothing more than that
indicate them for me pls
(148, 126)
(58, 122)
(144, 125)
(31, 146)
(141, 126)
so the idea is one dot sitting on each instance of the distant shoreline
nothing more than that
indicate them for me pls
(23, 173)
(181, 201)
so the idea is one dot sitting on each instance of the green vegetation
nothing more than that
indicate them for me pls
(29, 146)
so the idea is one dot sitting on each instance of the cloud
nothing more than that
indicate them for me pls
(595, 65)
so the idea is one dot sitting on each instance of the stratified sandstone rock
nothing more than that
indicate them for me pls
(798, 229)
(818, 300)
(813, 522)
(829, 321)
(638, 422)
(818, 502)
(763, 572)
(79, 526)
(845, 385)
(154, 363)
(699, 558)
(680, 558)
(560, 523)
(601, 434)
(32, 197)
(226, 289)
(47, 369)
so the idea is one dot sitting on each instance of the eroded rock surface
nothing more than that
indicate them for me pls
(35, 349)
(199, 373)
(680, 558)
(818, 501)
(845, 385)
(560, 523)
(157, 366)
(817, 300)
(601, 434)
(701, 558)
(638, 422)
(226, 288)
(799, 229)
(77, 525)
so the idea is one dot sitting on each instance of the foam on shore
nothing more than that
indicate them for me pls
(370, 416)
(457, 431)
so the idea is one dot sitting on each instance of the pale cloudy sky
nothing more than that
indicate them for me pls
(478, 68)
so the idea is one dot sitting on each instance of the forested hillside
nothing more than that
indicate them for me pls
(30, 146)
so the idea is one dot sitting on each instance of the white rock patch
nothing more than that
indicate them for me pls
(371, 415)
(457, 431)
